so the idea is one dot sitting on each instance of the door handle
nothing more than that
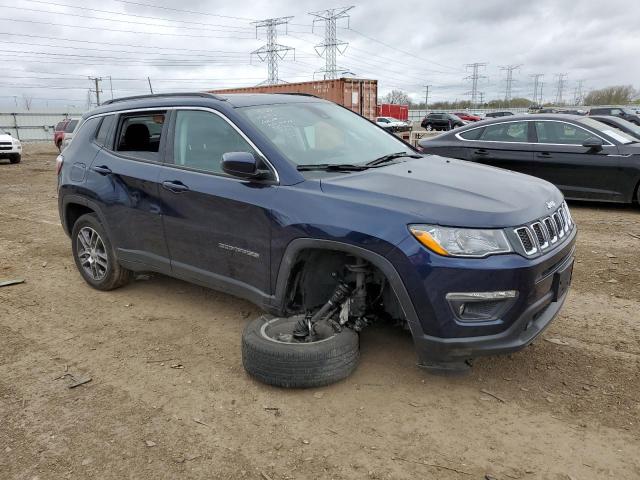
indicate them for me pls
(102, 170)
(481, 151)
(175, 186)
(544, 154)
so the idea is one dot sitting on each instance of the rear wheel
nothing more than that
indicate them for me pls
(94, 255)
(272, 355)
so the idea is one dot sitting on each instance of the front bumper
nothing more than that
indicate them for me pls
(10, 152)
(440, 337)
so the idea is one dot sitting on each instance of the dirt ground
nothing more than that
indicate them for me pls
(169, 398)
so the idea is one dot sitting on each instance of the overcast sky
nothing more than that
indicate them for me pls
(49, 48)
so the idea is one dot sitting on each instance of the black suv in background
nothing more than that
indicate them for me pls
(622, 112)
(498, 114)
(441, 121)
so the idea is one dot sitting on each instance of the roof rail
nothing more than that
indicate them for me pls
(160, 95)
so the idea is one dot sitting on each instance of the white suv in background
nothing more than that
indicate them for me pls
(10, 147)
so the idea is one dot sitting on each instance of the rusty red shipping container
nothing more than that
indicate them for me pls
(358, 95)
(401, 112)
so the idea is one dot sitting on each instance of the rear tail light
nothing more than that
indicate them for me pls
(59, 162)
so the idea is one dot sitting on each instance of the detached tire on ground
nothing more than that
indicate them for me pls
(297, 365)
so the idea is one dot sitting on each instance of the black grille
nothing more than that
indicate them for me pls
(525, 238)
(559, 225)
(537, 229)
(550, 227)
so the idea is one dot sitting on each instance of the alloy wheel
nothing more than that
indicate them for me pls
(92, 253)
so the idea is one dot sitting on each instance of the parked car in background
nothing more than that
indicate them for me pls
(468, 117)
(622, 112)
(10, 147)
(619, 123)
(584, 158)
(319, 217)
(64, 127)
(441, 121)
(498, 114)
(393, 124)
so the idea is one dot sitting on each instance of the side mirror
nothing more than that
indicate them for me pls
(240, 164)
(593, 143)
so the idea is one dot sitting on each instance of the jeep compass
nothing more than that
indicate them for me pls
(320, 217)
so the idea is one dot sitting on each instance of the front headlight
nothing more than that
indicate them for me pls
(461, 242)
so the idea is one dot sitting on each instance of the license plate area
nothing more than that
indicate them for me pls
(561, 281)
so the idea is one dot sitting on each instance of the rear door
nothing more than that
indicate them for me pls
(578, 171)
(505, 145)
(218, 228)
(125, 178)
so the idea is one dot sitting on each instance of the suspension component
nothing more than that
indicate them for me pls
(304, 326)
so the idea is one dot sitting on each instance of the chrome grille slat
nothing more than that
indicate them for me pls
(545, 233)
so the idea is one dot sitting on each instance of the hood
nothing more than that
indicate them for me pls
(5, 138)
(448, 192)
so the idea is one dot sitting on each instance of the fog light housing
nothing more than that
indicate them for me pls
(481, 306)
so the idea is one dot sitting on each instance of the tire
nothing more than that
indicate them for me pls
(429, 127)
(297, 365)
(15, 159)
(98, 265)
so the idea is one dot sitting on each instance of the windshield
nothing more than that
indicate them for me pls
(628, 111)
(2, 132)
(612, 132)
(322, 133)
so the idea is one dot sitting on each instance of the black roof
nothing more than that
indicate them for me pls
(201, 99)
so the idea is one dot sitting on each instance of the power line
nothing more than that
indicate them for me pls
(474, 77)
(119, 20)
(150, 5)
(272, 52)
(509, 80)
(331, 45)
(112, 12)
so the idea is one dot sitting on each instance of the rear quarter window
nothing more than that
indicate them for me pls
(472, 134)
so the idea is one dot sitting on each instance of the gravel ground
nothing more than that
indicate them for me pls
(169, 398)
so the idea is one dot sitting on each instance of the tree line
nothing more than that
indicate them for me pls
(613, 95)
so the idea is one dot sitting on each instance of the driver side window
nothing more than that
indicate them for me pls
(201, 138)
(561, 133)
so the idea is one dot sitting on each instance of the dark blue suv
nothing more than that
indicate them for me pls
(321, 218)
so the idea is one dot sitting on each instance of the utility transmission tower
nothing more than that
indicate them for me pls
(272, 52)
(426, 96)
(509, 81)
(560, 84)
(331, 45)
(537, 85)
(474, 77)
(97, 90)
(577, 93)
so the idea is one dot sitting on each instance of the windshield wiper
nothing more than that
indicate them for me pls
(332, 167)
(390, 157)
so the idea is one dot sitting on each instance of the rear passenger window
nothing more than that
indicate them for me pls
(102, 137)
(505, 132)
(561, 133)
(201, 138)
(472, 134)
(139, 135)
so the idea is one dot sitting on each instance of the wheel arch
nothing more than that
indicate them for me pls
(296, 249)
(74, 206)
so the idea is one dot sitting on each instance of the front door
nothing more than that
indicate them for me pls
(218, 228)
(578, 171)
